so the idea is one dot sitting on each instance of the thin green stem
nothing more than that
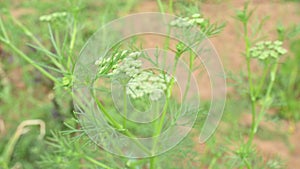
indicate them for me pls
(36, 41)
(57, 42)
(252, 96)
(54, 43)
(250, 83)
(171, 6)
(119, 127)
(72, 43)
(27, 31)
(267, 100)
(134, 164)
(133, 138)
(159, 125)
(161, 6)
(96, 162)
(253, 103)
(165, 108)
(247, 164)
(262, 82)
(3, 40)
(29, 60)
(110, 119)
(152, 163)
(191, 64)
(124, 106)
(2, 28)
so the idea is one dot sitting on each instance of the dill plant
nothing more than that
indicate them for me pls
(73, 145)
(260, 87)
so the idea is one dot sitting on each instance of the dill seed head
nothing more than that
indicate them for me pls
(267, 49)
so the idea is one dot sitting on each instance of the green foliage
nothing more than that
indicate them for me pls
(287, 86)
(65, 152)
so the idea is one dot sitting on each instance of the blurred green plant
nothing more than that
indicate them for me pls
(289, 77)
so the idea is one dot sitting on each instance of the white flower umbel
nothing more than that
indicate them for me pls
(139, 83)
(267, 49)
(147, 83)
(130, 66)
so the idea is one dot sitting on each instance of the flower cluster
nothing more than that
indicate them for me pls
(106, 64)
(148, 83)
(130, 66)
(267, 49)
(194, 20)
(53, 17)
(126, 67)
